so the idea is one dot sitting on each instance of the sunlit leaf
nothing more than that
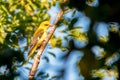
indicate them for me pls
(29, 28)
(114, 26)
(63, 48)
(103, 38)
(105, 73)
(34, 18)
(53, 2)
(5, 9)
(76, 33)
(46, 16)
(9, 29)
(32, 5)
(99, 52)
(29, 9)
(10, 2)
(45, 4)
(2, 35)
(112, 59)
(22, 2)
(55, 42)
(92, 2)
(12, 8)
(65, 22)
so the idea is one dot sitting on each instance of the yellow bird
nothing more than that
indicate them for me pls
(38, 37)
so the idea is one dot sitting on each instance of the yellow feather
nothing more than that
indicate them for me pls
(44, 25)
(38, 37)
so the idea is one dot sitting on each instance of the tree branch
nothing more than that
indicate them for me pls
(43, 45)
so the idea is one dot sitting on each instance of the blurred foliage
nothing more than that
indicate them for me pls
(9, 58)
(19, 19)
(107, 11)
(78, 35)
(55, 42)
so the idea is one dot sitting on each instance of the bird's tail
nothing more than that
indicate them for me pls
(32, 49)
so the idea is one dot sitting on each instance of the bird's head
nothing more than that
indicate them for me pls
(45, 24)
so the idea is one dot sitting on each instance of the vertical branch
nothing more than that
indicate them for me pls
(43, 45)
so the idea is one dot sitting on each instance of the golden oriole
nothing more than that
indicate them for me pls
(38, 37)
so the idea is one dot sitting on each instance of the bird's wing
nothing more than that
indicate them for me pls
(34, 43)
(36, 37)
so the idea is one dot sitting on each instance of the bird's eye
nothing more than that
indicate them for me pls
(46, 24)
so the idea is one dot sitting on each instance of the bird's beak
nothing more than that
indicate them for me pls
(51, 25)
